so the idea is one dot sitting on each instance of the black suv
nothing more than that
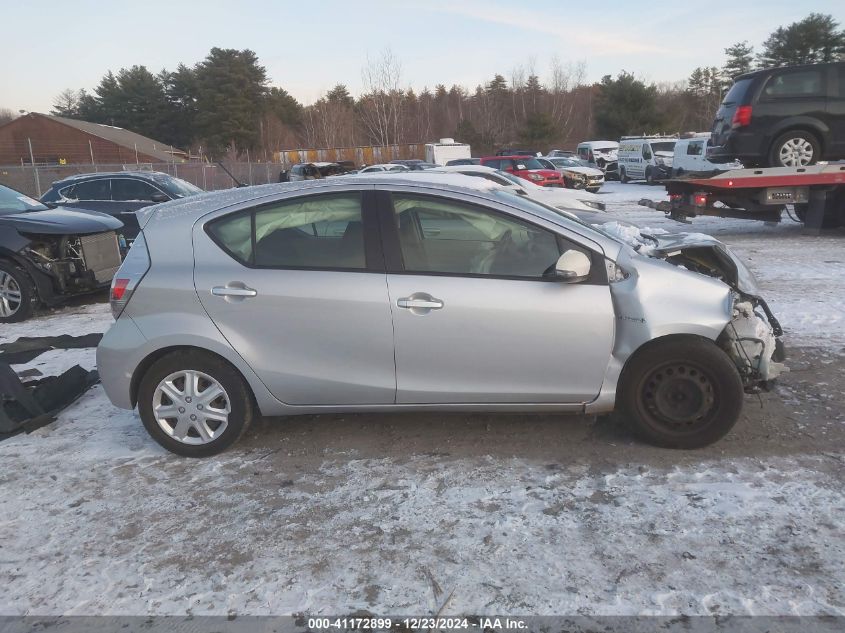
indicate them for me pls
(119, 193)
(782, 117)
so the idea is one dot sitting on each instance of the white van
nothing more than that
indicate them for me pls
(691, 157)
(601, 155)
(447, 149)
(646, 158)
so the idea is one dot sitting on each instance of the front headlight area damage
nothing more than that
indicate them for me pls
(751, 340)
(74, 263)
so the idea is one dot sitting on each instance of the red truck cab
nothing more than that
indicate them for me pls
(526, 167)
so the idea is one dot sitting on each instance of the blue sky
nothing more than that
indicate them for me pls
(308, 46)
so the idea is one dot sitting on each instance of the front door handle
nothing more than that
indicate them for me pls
(241, 291)
(420, 303)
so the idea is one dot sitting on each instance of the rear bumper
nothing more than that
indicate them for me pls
(742, 146)
(116, 360)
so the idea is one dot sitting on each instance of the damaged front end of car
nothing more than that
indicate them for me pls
(73, 263)
(752, 338)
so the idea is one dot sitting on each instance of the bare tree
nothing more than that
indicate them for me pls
(381, 104)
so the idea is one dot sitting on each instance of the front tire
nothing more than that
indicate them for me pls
(794, 149)
(194, 404)
(682, 394)
(623, 176)
(649, 175)
(17, 294)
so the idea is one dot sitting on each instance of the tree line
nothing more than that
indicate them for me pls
(225, 105)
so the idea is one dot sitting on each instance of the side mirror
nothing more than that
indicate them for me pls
(572, 267)
(159, 197)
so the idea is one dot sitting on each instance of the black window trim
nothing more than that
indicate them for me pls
(373, 257)
(394, 264)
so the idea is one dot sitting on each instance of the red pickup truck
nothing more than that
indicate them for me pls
(526, 167)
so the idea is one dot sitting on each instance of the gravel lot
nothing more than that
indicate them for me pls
(520, 514)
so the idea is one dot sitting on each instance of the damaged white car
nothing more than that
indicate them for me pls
(397, 292)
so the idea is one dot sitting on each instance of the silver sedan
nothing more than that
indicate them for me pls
(407, 293)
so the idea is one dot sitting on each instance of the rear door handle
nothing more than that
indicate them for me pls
(233, 291)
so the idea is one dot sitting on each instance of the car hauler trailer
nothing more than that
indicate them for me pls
(817, 193)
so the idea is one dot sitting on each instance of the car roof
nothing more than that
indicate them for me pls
(766, 71)
(150, 175)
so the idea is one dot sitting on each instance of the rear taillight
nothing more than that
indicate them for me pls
(130, 274)
(742, 116)
(118, 288)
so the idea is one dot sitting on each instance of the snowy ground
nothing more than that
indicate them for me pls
(513, 514)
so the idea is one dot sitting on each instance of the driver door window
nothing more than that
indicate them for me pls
(442, 236)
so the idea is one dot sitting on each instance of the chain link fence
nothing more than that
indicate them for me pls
(43, 162)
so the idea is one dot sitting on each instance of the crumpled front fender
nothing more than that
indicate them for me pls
(658, 299)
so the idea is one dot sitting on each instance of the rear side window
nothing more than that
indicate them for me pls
(803, 83)
(317, 232)
(91, 190)
(695, 149)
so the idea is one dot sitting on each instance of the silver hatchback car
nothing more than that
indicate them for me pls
(407, 293)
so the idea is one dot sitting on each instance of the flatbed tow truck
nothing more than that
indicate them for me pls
(817, 194)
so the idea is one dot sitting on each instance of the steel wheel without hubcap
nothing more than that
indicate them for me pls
(796, 152)
(678, 397)
(191, 407)
(10, 295)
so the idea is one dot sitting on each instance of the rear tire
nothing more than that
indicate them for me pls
(187, 421)
(797, 148)
(681, 393)
(17, 294)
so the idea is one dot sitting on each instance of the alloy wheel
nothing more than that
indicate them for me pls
(796, 152)
(191, 407)
(10, 295)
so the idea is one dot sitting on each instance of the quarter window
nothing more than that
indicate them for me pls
(313, 232)
(437, 235)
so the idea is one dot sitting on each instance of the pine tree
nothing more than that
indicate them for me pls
(231, 86)
(626, 105)
(814, 39)
(739, 58)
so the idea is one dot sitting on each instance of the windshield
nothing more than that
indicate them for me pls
(604, 149)
(532, 204)
(176, 186)
(663, 147)
(530, 163)
(12, 201)
(514, 179)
